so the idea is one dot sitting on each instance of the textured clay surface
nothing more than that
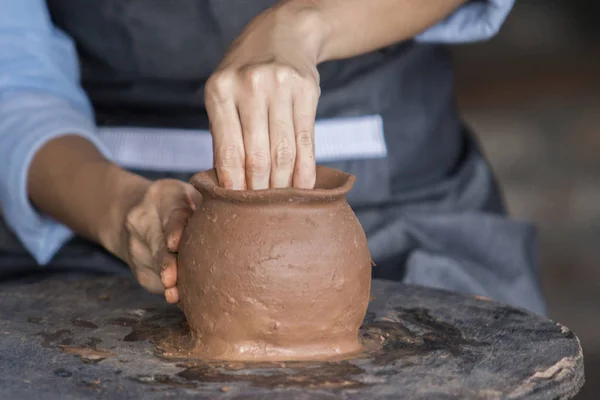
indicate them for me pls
(277, 274)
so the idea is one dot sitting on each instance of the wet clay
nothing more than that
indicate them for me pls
(387, 342)
(276, 274)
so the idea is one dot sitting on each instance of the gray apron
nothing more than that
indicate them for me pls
(431, 210)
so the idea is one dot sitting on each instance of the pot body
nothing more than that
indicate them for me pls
(274, 280)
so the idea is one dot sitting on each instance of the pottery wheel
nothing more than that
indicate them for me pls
(93, 339)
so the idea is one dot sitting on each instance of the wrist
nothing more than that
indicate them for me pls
(71, 181)
(308, 22)
(127, 190)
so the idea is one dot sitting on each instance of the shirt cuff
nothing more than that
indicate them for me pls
(27, 122)
(475, 21)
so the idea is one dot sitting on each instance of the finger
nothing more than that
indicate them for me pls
(255, 127)
(282, 140)
(144, 224)
(142, 264)
(193, 197)
(174, 226)
(149, 280)
(140, 257)
(168, 273)
(174, 209)
(139, 252)
(172, 295)
(226, 131)
(176, 214)
(305, 100)
(152, 236)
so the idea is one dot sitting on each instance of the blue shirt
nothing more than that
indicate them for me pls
(41, 99)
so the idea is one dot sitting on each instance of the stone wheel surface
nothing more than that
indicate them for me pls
(95, 338)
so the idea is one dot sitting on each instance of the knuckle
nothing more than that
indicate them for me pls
(316, 91)
(258, 163)
(305, 139)
(155, 190)
(231, 156)
(134, 217)
(284, 154)
(219, 87)
(129, 222)
(283, 75)
(310, 88)
(254, 77)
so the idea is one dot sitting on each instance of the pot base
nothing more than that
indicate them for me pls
(179, 343)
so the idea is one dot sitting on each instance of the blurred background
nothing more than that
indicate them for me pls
(532, 95)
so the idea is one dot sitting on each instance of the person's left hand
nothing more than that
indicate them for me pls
(153, 228)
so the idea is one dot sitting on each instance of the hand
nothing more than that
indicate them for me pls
(262, 101)
(153, 229)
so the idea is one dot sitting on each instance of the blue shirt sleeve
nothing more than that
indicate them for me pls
(476, 20)
(40, 99)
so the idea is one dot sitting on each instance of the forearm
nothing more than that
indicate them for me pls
(340, 29)
(71, 181)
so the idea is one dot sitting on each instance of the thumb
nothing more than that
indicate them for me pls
(179, 215)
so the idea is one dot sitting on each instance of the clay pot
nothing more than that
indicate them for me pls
(277, 274)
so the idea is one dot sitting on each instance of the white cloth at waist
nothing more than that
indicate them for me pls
(183, 150)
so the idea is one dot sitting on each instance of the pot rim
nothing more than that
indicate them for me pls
(331, 184)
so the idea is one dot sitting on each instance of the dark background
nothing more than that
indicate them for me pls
(532, 94)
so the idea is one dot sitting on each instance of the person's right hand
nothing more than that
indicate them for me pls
(262, 102)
